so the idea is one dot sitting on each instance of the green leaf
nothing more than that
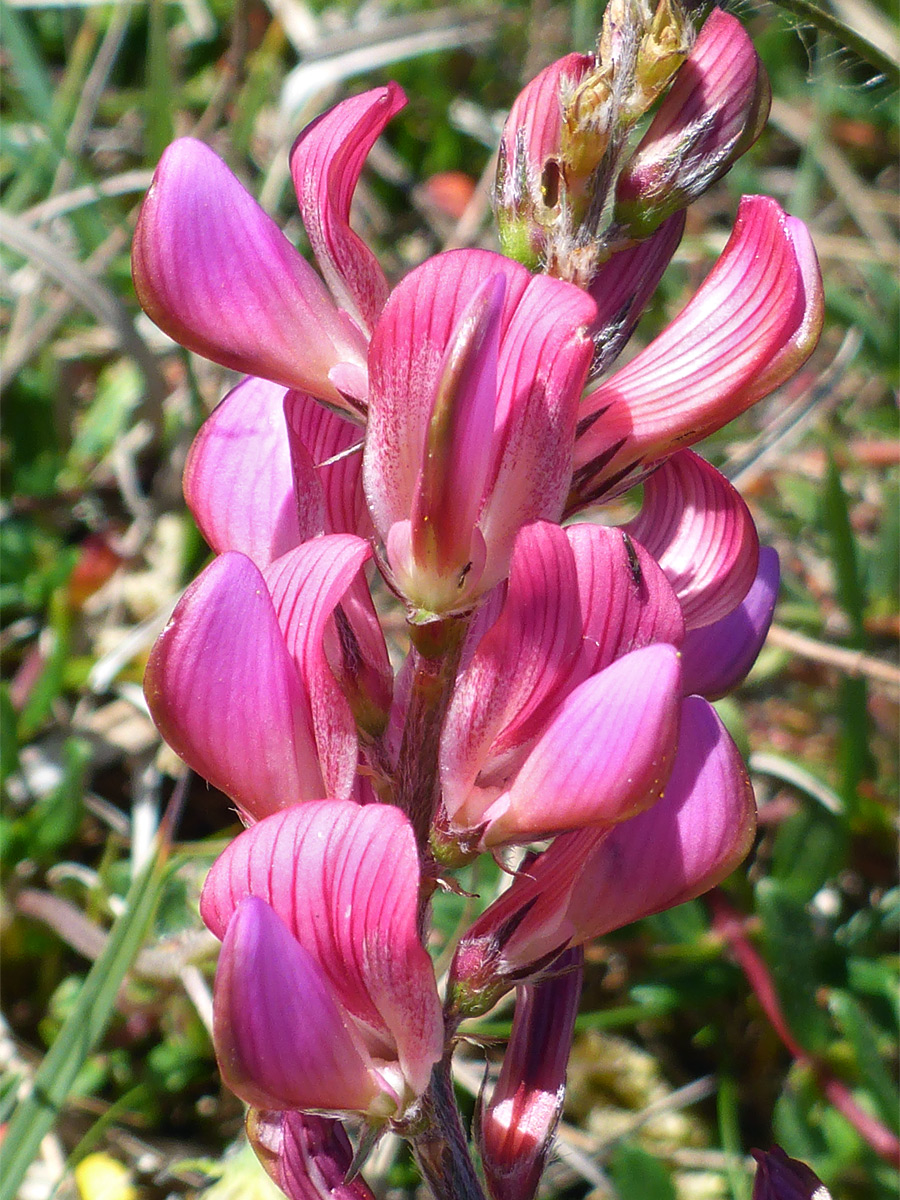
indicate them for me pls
(810, 849)
(36, 1114)
(860, 1031)
(639, 1176)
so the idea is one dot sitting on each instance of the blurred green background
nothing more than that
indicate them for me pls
(677, 1071)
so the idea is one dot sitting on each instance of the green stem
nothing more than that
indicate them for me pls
(854, 41)
(441, 1149)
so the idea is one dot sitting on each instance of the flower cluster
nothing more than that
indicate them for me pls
(427, 443)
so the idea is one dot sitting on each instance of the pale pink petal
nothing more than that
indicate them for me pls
(281, 1038)
(519, 671)
(754, 320)
(345, 880)
(605, 755)
(686, 843)
(226, 696)
(626, 600)
(717, 657)
(306, 585)
(622, 287)
(700, 531)
(714, 111)
(216, 273)
(237, 479)
(326, 162)
(334, 447)
(308, 1157)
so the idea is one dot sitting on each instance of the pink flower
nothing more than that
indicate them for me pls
(324, 997)
(308, 1157)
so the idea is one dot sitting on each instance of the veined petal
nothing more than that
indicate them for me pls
(216, 273)
(686, 843)
(307, 1156)
(698, 528)
(626, 600)
(326, 162)
(226, 696)
(516, 675)
(334, 447)
(605, 755)
(306, 585)
(237, 479)
(755, 319)
(281, 1039)
(717, 657)
(622, 287)
(345, 881)
(714, 111)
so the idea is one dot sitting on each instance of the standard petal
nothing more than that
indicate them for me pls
(345, 880)
(515, 678)
(237, 479)
(226, 696)
(280, 1037)
(333, 446)
(686, 843)
(626, 600)
(700, 531)
(216, 273)
(306, 585)
(717, 657)
(755, 319)
(326, 162)
(605, 755)
(714, 111)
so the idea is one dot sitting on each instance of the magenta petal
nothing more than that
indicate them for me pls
(686, 843)
(698, 528)
(333, 447)
(326, 162)
(626, 600)
(216, 273)
(226, 696)
(753, 322)
(624, 284)
(605, 755)
(716, 658)
(237, 479)
(309, 1157)
(517, 673)
(779, 1177)
(280, 1037)
(345, 880)
(714, 111)
(306, 585)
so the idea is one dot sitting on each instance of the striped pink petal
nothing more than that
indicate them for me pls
(326, 162)
(605, 755)
(345, 881)
(281, 1038)
(333, 447)
(717, 657)
(238, 481)
(701, 533)
(216, 274)
(753, 322)
(226, 696)
(308, 1157)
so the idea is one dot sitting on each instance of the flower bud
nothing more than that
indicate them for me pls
(781, 1178)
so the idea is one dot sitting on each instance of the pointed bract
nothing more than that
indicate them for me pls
(215, 273)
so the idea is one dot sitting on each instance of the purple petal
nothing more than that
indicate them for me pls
(700, 531)
(718, 657)
(779, 1177)
(326, 162)
(605, 755)
(237, 479)
(307, 1156)
(216, 273)
(280, 1037)
(345, 880)
(226, 696)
